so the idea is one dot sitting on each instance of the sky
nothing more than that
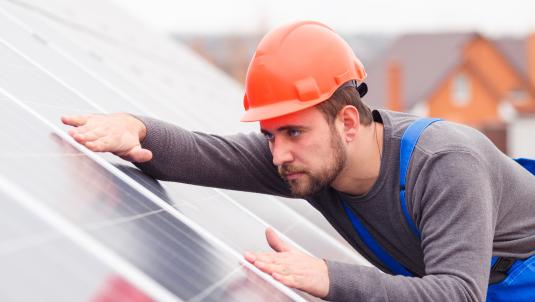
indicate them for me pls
(492, 17)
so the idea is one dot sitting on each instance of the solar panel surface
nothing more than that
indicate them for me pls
(65, 57)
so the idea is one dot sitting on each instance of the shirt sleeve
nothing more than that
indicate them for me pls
(237, 162)
(453, 202)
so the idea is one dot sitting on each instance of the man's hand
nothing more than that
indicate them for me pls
(118, 133)
(292, 267)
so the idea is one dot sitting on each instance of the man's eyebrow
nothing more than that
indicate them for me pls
(285, 128)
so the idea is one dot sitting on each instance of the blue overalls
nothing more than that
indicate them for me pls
(510, 280)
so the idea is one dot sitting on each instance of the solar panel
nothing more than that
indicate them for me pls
(175, 91)
(158, 240)
(35, 255)
(113, 213)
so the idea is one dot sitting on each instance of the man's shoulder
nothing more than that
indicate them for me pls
(445, 137)
(439, 137)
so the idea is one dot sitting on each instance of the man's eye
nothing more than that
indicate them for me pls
(294, 132)
(268, 136)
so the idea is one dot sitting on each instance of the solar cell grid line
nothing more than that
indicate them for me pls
(128, 27)
(130, 105)
(340, 250)
(75, 234)
(238, 229)
(232, 254)
(8, 31)
(85, 15)
(205, 85)
(263, 222)
(315, 218)
(20, 23)
(18, 74)
(203, 105)
(56, 268)
(292, 223)
(115, 27)
(155, 95)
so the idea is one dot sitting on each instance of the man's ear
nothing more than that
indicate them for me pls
(349, 119)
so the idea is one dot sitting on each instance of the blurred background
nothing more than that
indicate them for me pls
(471, 62)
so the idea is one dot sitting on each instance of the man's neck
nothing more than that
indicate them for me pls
(363, 162)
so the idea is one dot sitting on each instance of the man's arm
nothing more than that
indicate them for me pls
(168, 152)
(455, 202)
(238, 162)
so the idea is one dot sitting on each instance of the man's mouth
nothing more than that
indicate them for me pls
(293, 175)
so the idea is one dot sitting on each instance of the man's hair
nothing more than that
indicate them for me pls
(342, 97)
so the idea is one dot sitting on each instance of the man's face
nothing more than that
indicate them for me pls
(308, 152)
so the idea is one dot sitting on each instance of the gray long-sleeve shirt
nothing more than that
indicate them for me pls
(468, 200)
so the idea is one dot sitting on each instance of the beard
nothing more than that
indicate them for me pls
(310, 183)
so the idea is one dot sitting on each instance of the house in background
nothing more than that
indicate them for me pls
(462, 77)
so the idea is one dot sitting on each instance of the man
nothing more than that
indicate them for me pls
(466, 200)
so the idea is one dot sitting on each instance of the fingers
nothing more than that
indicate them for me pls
(278, 265)
(268, 262)
(75, 121)
(264, 261)
(271, 268)
(294, 269)
(86, 134)
(266, 257)
(138, 155)
(250, 257)
(275, 242)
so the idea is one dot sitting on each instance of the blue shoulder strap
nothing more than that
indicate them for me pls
(528, 164)
(389, 261)
(408, 143)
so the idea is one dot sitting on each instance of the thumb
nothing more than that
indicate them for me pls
(275, 242)
(138, 155)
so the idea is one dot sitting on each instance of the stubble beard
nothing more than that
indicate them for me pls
(309, 183)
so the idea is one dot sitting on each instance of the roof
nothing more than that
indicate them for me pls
(424, 58)
(515, 50)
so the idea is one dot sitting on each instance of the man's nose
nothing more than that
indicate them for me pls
(281, 152)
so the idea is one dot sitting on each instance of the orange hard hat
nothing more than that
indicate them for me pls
(295, 67)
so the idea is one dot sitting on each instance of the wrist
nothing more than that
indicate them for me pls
(326, 281)
(140, 127)
(142, 133)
